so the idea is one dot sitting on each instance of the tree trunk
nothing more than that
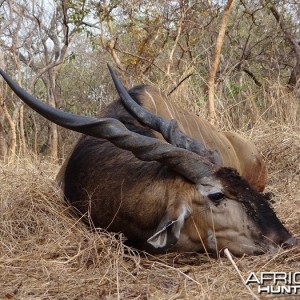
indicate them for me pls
(3, 143)
(35, 141)
(295, 75)
(22, 141)
(52, 94)
(211, 79)
(13, 132)
(53, 142)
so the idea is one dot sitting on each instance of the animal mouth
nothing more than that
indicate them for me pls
(275, 248)
(292, 241)
(238, 253)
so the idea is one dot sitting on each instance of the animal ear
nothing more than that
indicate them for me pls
(168, 230)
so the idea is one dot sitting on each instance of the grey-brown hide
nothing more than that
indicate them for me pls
(124, 178)
(148, 200)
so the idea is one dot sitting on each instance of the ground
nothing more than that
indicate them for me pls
(46, 253)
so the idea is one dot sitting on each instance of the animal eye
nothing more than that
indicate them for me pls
(216, 197)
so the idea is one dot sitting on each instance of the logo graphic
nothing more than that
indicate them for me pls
(275, 283)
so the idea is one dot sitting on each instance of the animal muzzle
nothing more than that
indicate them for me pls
(283, 240)
(290, 242)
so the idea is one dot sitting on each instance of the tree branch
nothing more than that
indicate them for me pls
(252, 76)
(295, 74)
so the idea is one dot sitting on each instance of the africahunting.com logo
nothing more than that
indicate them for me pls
(275, 283)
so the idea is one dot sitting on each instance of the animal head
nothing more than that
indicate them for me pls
(207, 206)
(229, 213)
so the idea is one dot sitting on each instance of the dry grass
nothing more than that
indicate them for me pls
(46, 253)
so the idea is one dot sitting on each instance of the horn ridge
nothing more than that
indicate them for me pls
(169, 129)
(189, 164)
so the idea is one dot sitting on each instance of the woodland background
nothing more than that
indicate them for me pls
(58, 50)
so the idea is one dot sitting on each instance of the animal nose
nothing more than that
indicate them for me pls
(289, 243)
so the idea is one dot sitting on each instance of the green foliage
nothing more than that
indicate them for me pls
(233, 88)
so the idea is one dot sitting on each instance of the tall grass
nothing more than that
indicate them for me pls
(242, 106)
(46, 252)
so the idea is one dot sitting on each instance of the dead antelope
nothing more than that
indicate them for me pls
(167, 185)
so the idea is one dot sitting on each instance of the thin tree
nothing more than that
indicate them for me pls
(216, 60)
(42, 45)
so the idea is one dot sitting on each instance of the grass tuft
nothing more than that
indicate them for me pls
(47, 253)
